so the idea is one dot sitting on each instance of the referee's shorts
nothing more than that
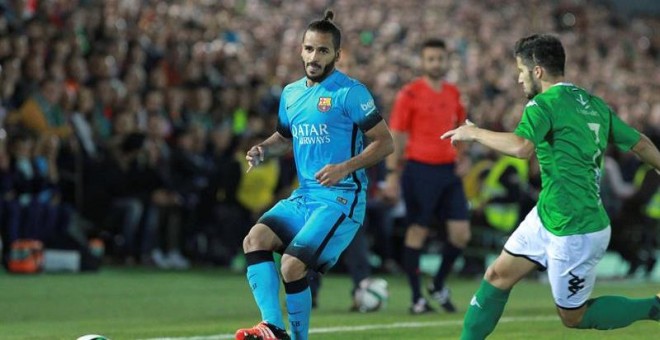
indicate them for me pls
(432, 191)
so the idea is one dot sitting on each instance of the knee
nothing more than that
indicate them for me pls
(254, 241)
(491, 275)
(571, 319)
(292, 268)
(498, 278)
(415, 236)
(570, 323)
(459, 233)
(461, 239)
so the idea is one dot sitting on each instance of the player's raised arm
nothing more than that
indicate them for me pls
(504, 142)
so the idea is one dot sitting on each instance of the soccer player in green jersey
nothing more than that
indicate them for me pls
(568, 231)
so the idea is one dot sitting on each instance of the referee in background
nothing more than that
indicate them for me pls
(424, 109)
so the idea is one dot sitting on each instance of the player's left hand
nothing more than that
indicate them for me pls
(330, 175)
(463, 133)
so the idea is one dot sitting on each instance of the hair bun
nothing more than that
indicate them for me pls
(329, 15)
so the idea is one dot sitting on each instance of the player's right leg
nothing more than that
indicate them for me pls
(262, 331)
(272, 233)
(317, 246)
(523, 252)
(262, 276)
(488, 302)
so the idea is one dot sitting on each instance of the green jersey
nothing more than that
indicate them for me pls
(571, 129)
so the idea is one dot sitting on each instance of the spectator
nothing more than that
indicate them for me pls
(42, 114)
(124, 50)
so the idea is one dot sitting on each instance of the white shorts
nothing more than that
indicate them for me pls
(570, 260)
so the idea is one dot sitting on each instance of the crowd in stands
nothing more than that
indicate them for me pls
(129, 120)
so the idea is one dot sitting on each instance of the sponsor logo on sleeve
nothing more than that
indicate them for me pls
(368, 107)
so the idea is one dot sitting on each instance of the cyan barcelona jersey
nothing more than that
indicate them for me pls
(326, 124)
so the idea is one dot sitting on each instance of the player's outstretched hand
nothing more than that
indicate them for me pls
(463, 133)
(330, 175)
(255, 156)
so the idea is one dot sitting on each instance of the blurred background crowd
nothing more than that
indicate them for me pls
(128, 120)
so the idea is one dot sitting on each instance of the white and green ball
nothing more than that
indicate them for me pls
(371, 295)
(92, 337)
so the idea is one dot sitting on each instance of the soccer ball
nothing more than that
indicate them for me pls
(92, 337)
(371, 295)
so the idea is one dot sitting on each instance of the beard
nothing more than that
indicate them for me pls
(536, 87)
(435, 74)
(326, 71)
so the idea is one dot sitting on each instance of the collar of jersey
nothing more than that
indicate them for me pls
(563, 84)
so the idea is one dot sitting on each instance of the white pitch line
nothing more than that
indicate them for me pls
(361, 328)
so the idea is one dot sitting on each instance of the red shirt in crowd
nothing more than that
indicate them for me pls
(425, 114)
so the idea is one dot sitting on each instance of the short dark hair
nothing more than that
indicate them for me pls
(434, 43)
(543, 50)
(326, 25)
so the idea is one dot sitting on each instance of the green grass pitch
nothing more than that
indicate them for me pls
(205, 304)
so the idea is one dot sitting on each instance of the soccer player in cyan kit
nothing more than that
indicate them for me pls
(325, 116)
(568, 231)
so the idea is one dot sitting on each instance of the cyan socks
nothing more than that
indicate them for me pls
(299, 307)
(265, 284)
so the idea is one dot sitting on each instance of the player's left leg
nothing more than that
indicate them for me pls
(611, 312)
(315, 283)
(298, 294)
(318, 245)
(572, 276)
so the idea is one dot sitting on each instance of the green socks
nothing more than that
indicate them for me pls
(610, 312)
(605, 312)
(485, 310)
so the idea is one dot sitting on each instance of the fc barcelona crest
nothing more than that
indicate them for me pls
(325, 103)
